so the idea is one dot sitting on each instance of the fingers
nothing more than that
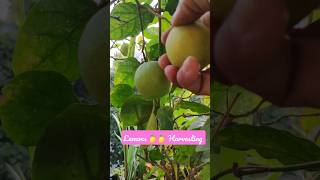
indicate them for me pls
(169, 70)
(205, 19)
(163, 61)
(171, 73)
(190, 77)
(248, 45)
(189, 10)
(165, 36)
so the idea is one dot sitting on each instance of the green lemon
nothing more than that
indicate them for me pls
(150, 80)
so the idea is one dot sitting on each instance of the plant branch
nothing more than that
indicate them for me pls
(141, 27)
(254, 110)
(292, 115)
(160, 27)
(235, 116)
(249, 170)
(225, 116)
(152, 162)
(154, 12)
(191, 115)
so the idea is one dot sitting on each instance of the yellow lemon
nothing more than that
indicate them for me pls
(188, 40)
(161, 139)
(152, 139)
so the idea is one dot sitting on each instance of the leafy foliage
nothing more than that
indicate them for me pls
(134, 40)
(135, 111)
(48, 40)
(269, 143)
(39, 107)
(127, 21)
(25, 114)
(72, 147)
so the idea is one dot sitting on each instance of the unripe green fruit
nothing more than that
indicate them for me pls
(150, 80)
(152, 122)
(92, 56)
(188, 40)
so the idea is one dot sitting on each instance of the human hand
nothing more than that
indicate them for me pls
(189, 75)
(253, 48)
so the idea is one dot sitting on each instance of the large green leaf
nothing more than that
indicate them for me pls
(125, 70)
(125, 20)
(74, 146)
(222, 96)
(49, 38)
(32, 99)
(135, 111)
(193, 106)
(120, 93)
(165, 117)
(269, 143)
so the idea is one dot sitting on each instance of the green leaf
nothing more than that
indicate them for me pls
(206, 147)
(299, 9)
(183, 153)
(32, 99)
(205, 172)
(171, 6)
(125, 70)
(155, 155)
(49, 38)
(193, 106)
(119, 94)
(125, 20)
(135, 111)
(153, 50)
(225, 159)
(309, 123)
(151, 33)
(73, 147)
(269, 143)
(246, 100)
(165, 117)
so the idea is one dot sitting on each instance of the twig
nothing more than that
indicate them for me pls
(160, 27)
(254, 110)
(141, 26)
(118, 19)
(236, 116)
(291, 115)
(153, 163)
(225, 116)
(152, 11)
(217, 112)
(190, 115)
(249, 170)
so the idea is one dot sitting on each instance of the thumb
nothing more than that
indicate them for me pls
(205, 19)
(189, 11)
